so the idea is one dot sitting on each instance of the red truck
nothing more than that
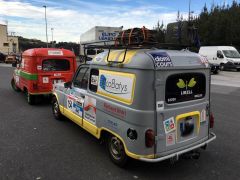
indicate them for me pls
(40, 68)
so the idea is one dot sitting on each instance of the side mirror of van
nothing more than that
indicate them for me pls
(68, 84)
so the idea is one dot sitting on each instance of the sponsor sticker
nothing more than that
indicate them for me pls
(78, 108)
(203, 115)
(70, 102)
(170, 139)
(160, 105)
(204, 60)
(55, 53)
(169, 125)
(94, 80)
(90, 109)
(39, 67)
(115, 110)
(45, 80)
(119, 86)
(161, 59)
(57, 74)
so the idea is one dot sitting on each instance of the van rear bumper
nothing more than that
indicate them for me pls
(177, 154)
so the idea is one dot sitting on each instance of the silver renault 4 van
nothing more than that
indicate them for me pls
(149, 104)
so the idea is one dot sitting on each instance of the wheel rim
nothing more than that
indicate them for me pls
(221, 67)
(116, 148)
(55, 108)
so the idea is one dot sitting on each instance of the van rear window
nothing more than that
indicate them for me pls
(185, 87)
(55, 65)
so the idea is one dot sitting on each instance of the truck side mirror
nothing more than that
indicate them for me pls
(68, 84)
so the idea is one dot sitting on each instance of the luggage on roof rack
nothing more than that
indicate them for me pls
(136, 36)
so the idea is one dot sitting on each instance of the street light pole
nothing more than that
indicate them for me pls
(52, 36)
(46, 23)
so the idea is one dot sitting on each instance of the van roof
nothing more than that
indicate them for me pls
(48, 52)
(151, 59)
(219, 47)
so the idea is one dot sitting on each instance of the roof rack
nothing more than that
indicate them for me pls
(126, 47)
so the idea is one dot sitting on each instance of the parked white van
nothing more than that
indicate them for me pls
(226, 56)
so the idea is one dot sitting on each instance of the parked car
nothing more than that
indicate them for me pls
(147, 104)
(40, 68)
(227, 57)
(11, 58)
(2, 57)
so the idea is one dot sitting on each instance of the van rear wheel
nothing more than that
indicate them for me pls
(116, 151)
(30, 98)
(13, 84)
(55, 109)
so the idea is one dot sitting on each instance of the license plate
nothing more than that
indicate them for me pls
(55, 81)
(187, 126)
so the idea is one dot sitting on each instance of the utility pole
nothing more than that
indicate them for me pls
(46, 23)
(189, 10)
(52, 37)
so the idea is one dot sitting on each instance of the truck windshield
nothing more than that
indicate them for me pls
(231, 54)
(55, 65)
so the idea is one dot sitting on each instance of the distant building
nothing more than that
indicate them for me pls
(8, 44)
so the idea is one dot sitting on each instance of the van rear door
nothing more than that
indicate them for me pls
(54, 70)
(182, 109)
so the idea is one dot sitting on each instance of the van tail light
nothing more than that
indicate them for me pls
(211, 120)
(149, 138)
(35, 86)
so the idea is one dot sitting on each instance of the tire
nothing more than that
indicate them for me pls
(30, 98)
(238, 70)
(116, 151)
(13, 84)
(55, 109)
(215, 72)
(222, 68)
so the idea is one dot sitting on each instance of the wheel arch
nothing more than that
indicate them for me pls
(104, 132)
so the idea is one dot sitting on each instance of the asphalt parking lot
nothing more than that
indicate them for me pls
(33, 145)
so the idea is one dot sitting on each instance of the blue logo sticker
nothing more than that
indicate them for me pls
(103, 82)
(161, 59)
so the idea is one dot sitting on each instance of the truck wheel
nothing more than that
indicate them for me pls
(30, 98)
(13, 84)
(55, 109)
(116, 151)
(222, 68)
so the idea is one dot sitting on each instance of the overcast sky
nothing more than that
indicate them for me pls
(71, 18)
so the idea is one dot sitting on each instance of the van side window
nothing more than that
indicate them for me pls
(94, 74)
(219, 54)
(81, 80)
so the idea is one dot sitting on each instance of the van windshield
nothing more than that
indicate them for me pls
(231, 54)
(55, 65)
